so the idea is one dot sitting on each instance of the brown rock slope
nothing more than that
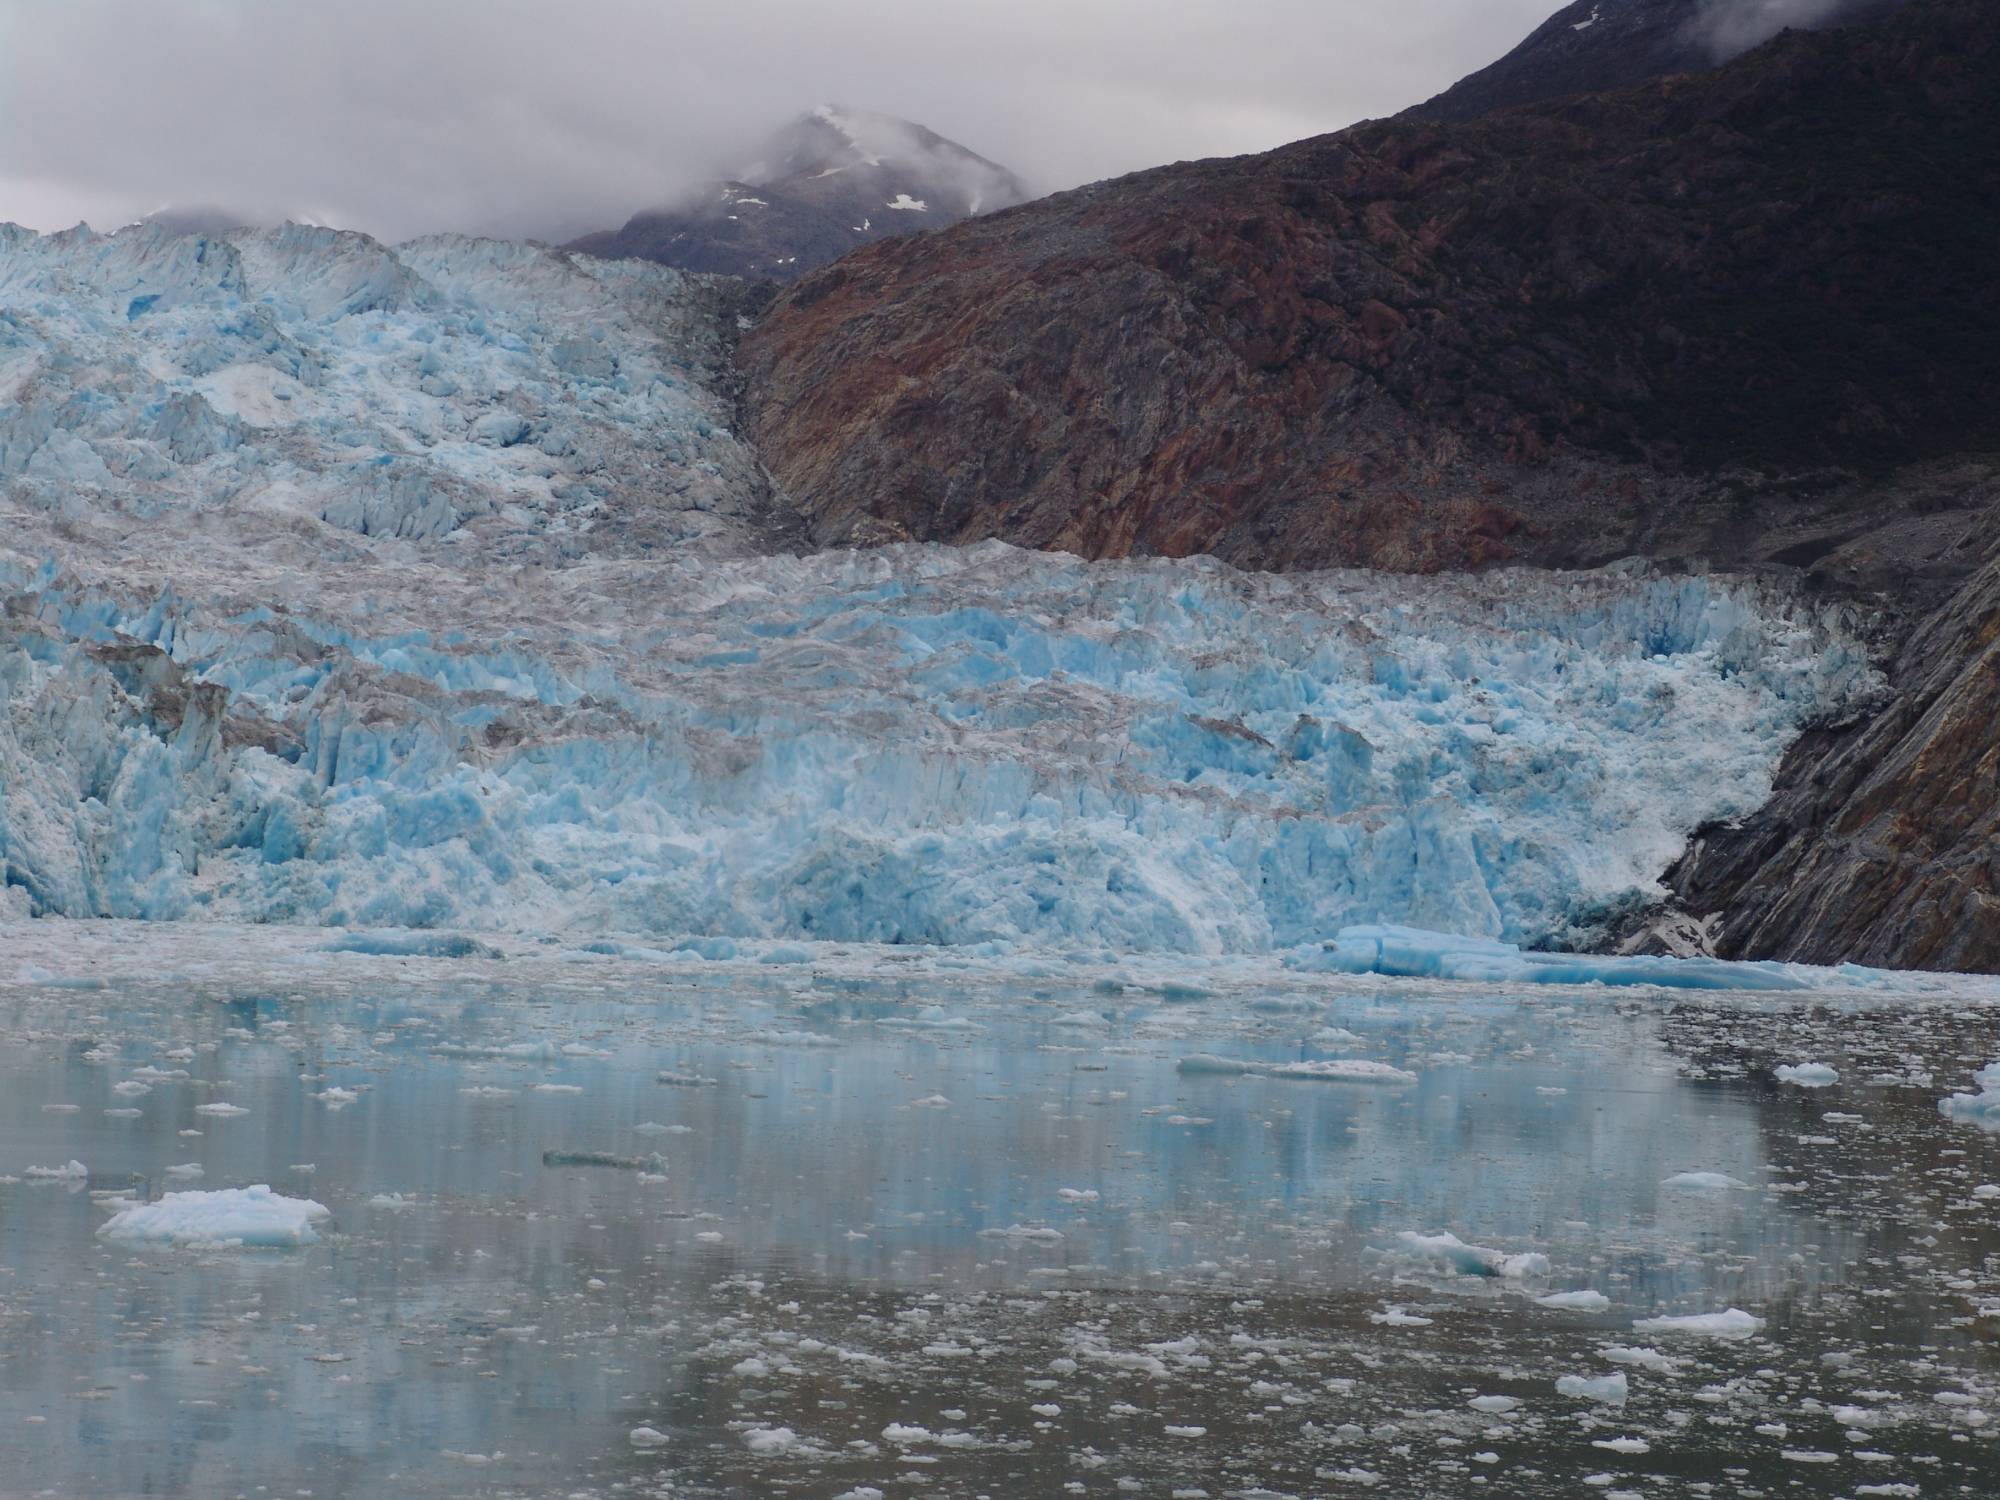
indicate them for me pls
(1557, 334)
(1882, 843)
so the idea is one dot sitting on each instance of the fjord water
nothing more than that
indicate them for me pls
(866, 1226)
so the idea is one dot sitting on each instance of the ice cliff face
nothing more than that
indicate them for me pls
(917, 745)
(419, 587)
(503, 396)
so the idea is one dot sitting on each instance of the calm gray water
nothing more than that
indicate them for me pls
(920, 1242)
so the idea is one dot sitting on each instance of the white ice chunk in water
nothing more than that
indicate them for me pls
(1472, 1260)
(1731, 1324)
(1585, 1301)
(252, 1216)
(1808, 1075)
(1702, 1182)
(1611, 1390)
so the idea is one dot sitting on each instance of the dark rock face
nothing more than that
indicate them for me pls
(831, 181)
(1559, 334)
(1593, 45)
(1882, 842)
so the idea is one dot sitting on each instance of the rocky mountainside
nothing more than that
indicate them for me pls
(1744, 316)
(1882, 843)
(832, 180)
(1593, 45)
(1558, 334)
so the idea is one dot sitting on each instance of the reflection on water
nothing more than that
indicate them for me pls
(880, 1209)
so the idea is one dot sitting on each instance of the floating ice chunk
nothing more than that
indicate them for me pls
(1088, 1020)
(1416, 953)
(1077, 1195)
(186, 1169)
(1981, 1109)
(1494, 1404)
(905, 1434)
(1023, 1232)
(1622, 1445)
(685, 1080)
(335, 1098)
(765, 1441)
(1343, 1070)
(222, 1111)
(1732, 1324)
(412, 945)
(1809, 1075)
(1645, 1359)
(1584, 1301)
(1699, 1182)
(1395, 1317)
(646, 1437)
(1611, 1390)
(1333, 1070)
(1180, 1431)
(252, 1216)
(1472, 1260)
(568, 1089)
(69, 1171)
(652, 1163)
(541, 1050)
(393, 1202)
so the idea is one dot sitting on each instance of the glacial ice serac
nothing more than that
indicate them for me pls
(545, 686)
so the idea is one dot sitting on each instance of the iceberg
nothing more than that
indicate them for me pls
(249, 1217)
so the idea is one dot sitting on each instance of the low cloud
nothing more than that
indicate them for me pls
(518, 117)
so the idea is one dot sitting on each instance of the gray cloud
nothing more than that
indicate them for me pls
(1730, 27)
(527, 116)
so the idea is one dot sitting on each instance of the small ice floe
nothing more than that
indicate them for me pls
(1808, 1075)
(931, 1101)
(1023, 1232)
(131, 1088)
(1494, 1405)
(1642, 1358)
(646, 1437)
(1472, 1260)
(391, 1202)
(1629, 1445)
(556, 1088)
(1584, 1302)
(69, 1171)
(1731, 1324)
(336, 1098)
(654, 1127)
(186, 1169)
(1082, 1020)
(792, 1039)
(1077, 1195)
(1703, 1182)
(1609, 1390)
(766, 1441)
(1332, 1070)
(540, 1050)
(221, 1111)
(1395, 1317)
(252, 1216)
(684, 1080)
(1981, 1109)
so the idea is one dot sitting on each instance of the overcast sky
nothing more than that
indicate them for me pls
(553, 116)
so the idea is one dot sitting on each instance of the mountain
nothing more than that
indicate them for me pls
(833, 179)
(1744, 316)
(1593, 45)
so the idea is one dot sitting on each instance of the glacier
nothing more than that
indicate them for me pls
(428, 587)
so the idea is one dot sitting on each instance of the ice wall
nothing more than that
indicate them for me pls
(915, 745)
